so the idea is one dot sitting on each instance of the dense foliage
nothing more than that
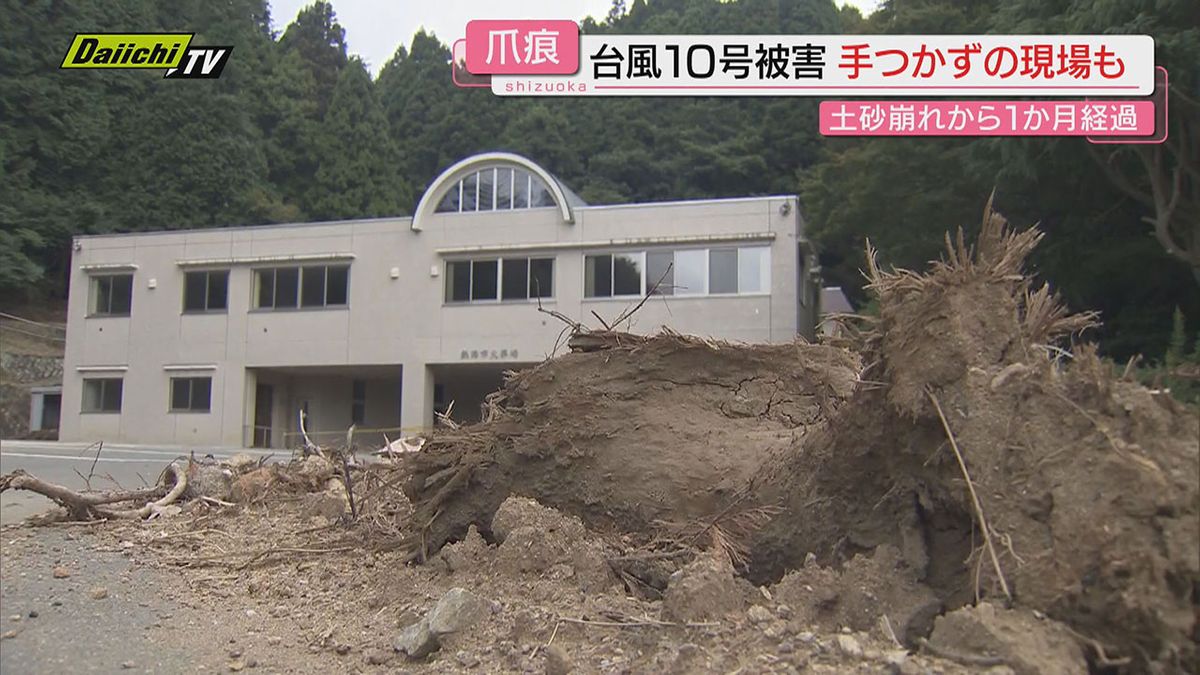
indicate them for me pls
(296, 129)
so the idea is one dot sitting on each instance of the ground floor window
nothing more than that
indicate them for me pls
(102, 394)
(191, 394)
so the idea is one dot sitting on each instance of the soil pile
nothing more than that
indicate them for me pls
(990, 462)
(666, 428)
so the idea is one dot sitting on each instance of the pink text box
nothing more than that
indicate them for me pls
(522, 47)
(988, 118)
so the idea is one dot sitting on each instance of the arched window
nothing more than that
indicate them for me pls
(495, 181)
(496, 188)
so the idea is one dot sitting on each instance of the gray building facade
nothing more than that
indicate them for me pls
(224, 336)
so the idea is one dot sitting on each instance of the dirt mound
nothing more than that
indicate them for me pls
(958, 452)
(868, 593)
(659, 428)
(1086, 484)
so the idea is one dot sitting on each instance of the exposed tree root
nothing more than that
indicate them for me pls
(83, 506)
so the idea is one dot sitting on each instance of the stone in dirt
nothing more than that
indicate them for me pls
(378, 657)
(417, 641)
(323, 505)
(536, 539)
(467, 554)
(705, 589)
(315, 471)
(1015, 637)
(458, 609)
(865, 589)
(759, 614)
(557, 661)
(61, 573)
(98, 593)
(849, 645)
(251, 486)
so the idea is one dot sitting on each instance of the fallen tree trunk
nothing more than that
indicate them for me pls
(90, 505)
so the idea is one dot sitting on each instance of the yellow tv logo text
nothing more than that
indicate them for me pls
(127, 50)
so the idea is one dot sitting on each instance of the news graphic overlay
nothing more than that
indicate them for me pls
(173, 52)
(1098, 86)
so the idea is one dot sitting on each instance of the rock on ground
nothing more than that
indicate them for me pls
(417, 641)
(1025, 643)
(536, 539)
(458, 610)
(703, 590)
(862, 591)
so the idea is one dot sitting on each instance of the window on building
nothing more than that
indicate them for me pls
(505, 279)
(487, 190)
(541, 277)
(520, 189)
(470, 193)
(685, 272)
(485, 279)
(496, 189)
(611, 275)
(111, 295)
(102, 394)
(722, 270)
(515, 282)
(660, 272)
(691, 272)
(539, 193)
(754, 269)
(206, 291)
(191, 394)
(458, 281)
(597, 276)
(504, 189)
(358, 402)
(309, 286)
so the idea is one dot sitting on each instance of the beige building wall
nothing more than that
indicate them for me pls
(397, 329)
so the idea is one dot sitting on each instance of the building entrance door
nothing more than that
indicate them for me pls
(264, 398)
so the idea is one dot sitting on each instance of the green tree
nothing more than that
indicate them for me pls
(359, 172)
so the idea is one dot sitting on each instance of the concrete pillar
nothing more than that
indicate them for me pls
(416, 398)
(249, 401)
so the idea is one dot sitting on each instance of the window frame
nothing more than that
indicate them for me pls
(207, 291)
(521, 184)
(93, 295)
(709, 280)
(103, 383)
(301, 271)
(612, 277)
(676, 291)
(499, 299)
(191, 385)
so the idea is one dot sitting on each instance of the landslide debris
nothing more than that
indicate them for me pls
(960, 449)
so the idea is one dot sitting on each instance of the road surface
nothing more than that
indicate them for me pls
(119, 464)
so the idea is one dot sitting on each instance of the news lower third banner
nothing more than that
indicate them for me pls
(551, 58)
(824, 65)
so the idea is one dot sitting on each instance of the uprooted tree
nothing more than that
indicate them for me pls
(958, 427)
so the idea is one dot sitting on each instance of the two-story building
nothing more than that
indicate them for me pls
(223, 336)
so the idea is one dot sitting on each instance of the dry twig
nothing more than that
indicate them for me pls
(983, 524)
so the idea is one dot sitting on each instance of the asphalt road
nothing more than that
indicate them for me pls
(123, 465)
